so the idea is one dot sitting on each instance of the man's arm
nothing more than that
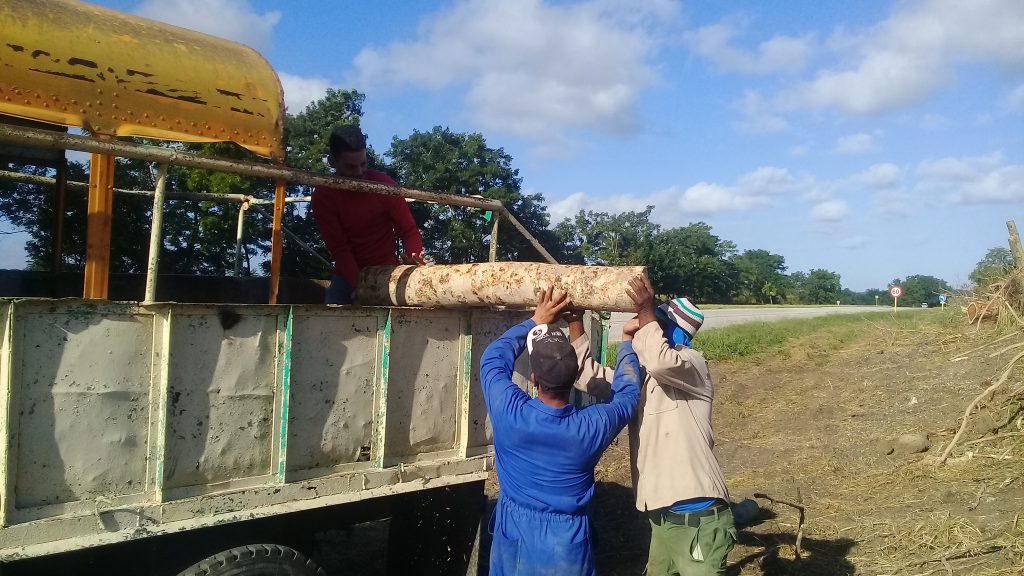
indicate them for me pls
(405, 228)
(671, 367)
(325, 214)
(496, 367)
(593, 378)
(616, 413)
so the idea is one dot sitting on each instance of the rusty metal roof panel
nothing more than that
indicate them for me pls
(76, 64)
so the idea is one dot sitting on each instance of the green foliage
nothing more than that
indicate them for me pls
(781, 336)
(919, 289)
(624, 239)
(691, 261)
(307, 134)
(31, 207)
(761, 273)
(463, 164)
(996, 264)
(816, 287)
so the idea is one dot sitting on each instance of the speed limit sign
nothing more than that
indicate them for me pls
(895, 291)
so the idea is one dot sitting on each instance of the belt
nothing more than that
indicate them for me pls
(691, 519)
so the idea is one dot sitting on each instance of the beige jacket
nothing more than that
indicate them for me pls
(670, 438)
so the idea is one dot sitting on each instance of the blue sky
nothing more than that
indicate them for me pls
(877, 139)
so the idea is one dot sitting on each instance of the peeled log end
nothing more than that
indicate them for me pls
(512, 284)
(978, 310)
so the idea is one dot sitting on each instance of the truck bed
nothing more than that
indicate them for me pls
(124, 421)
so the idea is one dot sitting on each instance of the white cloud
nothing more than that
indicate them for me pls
(232, 19)
(780, 54)
(566, 207)
(1015, 99)
(893, 204)
(973, 180)
(853, 242)
(300, 91)
(906, 58)
(881, 176)
(531, 67)
(705, 198)
(758, 115)
(855, 144)
(768, 180)
(672, 205)
(830, 211)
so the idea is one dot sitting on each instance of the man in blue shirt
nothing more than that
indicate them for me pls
(545, 448)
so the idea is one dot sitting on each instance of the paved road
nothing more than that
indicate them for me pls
(718, 318)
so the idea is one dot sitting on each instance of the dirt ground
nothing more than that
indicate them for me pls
(816, 426)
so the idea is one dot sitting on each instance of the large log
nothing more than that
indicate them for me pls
(513, 284)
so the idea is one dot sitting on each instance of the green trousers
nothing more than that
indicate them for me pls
(679, 549)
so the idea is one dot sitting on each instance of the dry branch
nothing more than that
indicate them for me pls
(800, 520)
(974, 403)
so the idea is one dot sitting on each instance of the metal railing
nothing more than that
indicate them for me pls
(164, 157)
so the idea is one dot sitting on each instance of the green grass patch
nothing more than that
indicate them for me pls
(824, 332)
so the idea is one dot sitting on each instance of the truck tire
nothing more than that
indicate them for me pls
(255, 560)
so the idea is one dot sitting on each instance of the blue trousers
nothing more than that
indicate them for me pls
(530, 543)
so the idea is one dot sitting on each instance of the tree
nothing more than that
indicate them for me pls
(623, 239)
(819, 286)
(918, 289)
(759, 269)
(996, 264)
(463, 164)
(31, 207)
(691, 261)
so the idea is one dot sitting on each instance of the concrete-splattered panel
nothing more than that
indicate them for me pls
(423, 383)
(487, 326)
(81, 381)
(331, 415)
(221, 376)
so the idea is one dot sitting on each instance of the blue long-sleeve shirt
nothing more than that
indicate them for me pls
(546, 456)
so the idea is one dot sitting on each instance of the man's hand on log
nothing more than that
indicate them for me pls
(641, 293)
(550, 305)
(417, 258)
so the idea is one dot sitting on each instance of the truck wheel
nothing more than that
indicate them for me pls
(255, 560)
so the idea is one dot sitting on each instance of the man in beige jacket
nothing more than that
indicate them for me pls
(678, 481)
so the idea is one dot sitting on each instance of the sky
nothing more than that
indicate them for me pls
(876, 139)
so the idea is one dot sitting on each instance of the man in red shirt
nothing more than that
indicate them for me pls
(360, 229)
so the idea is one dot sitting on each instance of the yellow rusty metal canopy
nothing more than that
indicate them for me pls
(76, 64)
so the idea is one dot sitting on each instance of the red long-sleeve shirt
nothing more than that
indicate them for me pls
(361, 229)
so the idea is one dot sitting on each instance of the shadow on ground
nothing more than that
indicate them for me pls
(623, 537)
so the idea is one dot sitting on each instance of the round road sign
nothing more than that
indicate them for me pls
(895, 290)
(942, 298)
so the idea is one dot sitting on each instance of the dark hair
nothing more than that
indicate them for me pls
(346, 138)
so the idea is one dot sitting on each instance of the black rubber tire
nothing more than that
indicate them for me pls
(255, 560)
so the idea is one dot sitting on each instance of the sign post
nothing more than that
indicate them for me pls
(895, 290)
(942, 301)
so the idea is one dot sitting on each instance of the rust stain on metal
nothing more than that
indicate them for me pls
(70, 49)
(64, 74)
(78, 61)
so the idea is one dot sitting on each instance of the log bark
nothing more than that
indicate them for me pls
(512, 284)
(1015, 247)
(978, 310)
